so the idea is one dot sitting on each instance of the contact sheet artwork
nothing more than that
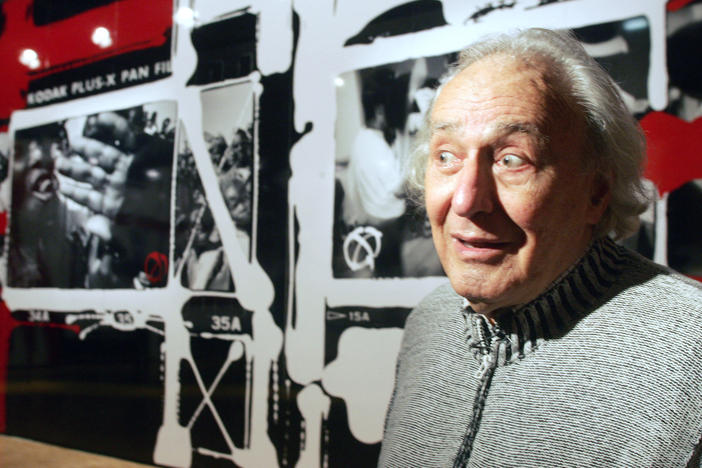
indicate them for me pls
(212, 264)
(133, 277)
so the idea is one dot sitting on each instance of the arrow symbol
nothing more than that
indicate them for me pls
(335, 315)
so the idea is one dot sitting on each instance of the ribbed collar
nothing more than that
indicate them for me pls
(518, 331)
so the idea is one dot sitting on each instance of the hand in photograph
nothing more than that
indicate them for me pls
(119, 176)
(92, 172)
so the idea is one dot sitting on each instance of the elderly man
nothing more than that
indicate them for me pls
(552, 346)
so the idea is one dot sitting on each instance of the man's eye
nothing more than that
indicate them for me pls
(511, 161)
(446, 158)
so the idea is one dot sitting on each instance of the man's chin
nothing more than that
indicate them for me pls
(481, 298)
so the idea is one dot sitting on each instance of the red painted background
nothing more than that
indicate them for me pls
(66, 44)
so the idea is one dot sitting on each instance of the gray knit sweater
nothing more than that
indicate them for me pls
(603, 369)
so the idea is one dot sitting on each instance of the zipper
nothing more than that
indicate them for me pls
(487, 340)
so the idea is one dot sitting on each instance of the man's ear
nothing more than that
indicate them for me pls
(600, 195)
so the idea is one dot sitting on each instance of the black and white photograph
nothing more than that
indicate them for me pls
(200, 263)
(228, 125)
(379, 110)
(90, 200)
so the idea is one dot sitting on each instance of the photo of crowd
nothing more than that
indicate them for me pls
(90, 200)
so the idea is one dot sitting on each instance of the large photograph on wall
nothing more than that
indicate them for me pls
(91, 200)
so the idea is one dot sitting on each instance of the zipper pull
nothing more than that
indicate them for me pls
(484, 342)
(486, 362)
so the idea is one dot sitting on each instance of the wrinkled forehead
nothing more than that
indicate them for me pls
(528, 96)
(535, 79)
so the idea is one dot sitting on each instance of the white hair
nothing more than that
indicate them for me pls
(615, 141)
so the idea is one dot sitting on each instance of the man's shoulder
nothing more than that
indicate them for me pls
(661, 285)
(653, 321)
(653, 297)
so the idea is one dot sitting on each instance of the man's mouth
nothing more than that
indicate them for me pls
(481, 243)
(479, 247)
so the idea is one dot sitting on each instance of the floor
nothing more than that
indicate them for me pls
(22, 453)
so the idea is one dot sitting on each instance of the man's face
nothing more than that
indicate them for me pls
(510, 202)
(236, 188)
(237, 145)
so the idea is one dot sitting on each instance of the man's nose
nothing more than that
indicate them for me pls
(475, 189)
